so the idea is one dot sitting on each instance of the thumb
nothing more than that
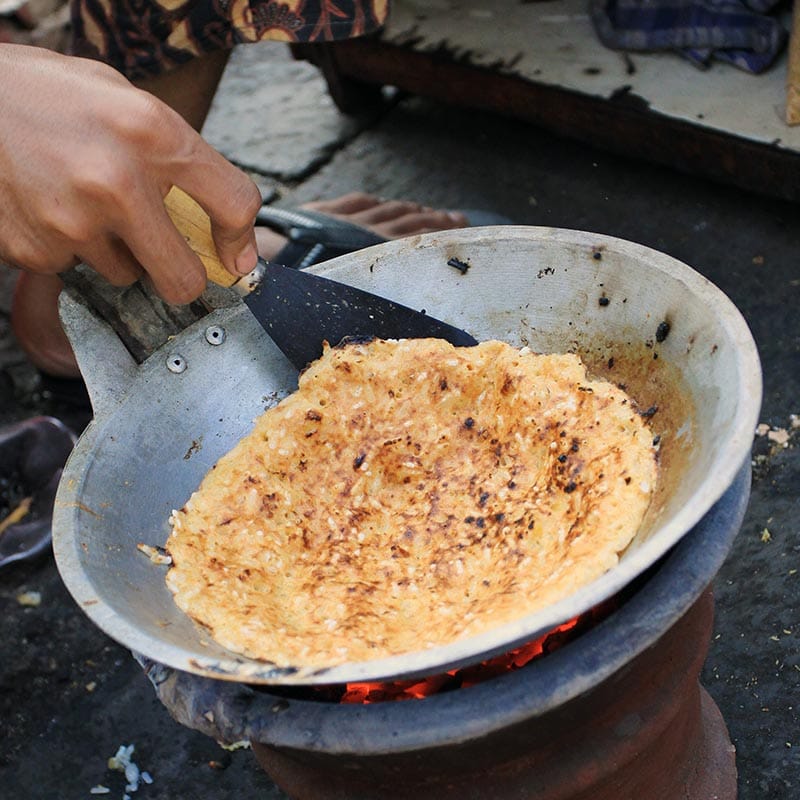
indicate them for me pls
(226, 246)
(231, 200)
(233, 229)
(238, 253)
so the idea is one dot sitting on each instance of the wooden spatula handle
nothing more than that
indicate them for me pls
(195, 225)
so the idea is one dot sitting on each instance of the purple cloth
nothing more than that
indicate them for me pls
(739, 32)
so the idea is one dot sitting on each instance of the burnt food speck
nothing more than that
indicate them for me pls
(460, 265)
(662, 331)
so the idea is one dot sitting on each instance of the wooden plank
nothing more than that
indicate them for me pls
(793, 70)
(624, 123)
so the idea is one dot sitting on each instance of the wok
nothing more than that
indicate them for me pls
(635, 315)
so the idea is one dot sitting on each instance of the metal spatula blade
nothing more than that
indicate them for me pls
(300, 310)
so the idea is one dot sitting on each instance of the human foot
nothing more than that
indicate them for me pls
(35, 307)
(389, 219)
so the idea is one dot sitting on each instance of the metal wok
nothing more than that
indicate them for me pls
(636, 316)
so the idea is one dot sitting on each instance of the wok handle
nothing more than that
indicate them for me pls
(195, 226)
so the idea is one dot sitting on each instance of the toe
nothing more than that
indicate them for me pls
(351, 203)
(389, 218)
(423, 221)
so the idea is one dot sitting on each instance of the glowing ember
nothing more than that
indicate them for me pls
(417, 688)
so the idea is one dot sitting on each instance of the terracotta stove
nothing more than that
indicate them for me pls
(616, 713)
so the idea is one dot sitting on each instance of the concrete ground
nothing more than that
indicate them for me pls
(69, 696)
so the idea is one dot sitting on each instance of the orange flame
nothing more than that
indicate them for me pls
(460, 678)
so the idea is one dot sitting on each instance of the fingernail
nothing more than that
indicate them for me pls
(246, 260)
(457, 216)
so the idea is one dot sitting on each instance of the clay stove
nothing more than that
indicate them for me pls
(617, 713)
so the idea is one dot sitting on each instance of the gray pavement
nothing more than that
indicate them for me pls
(69, 696)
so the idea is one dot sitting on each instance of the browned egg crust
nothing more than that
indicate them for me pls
(407, 495)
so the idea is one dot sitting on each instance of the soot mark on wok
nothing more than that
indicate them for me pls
(195, 447)
(83, 507)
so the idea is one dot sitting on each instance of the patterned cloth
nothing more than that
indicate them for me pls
(144, 38)
(739, 32)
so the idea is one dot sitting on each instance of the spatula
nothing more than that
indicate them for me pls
(300, 310)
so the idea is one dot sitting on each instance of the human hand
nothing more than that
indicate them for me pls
(85, 162)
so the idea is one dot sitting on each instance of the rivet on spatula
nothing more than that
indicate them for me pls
(176, 363)
(215, 334)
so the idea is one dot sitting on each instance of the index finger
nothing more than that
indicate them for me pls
(176, 271)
